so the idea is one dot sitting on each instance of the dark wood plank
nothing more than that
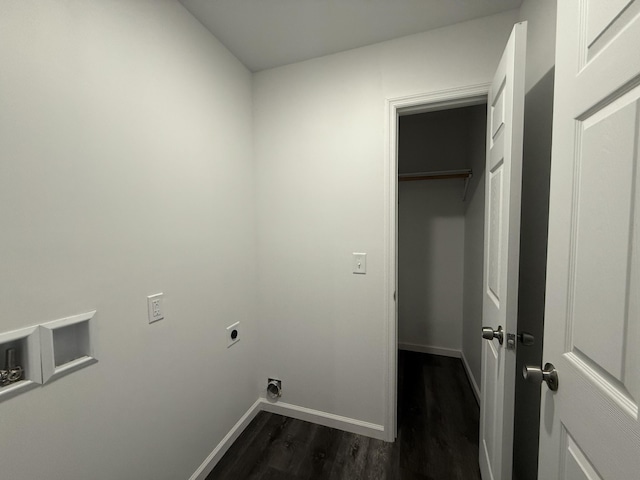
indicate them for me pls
(243, 442)
(321, 453)
(351, 457)
(381, 461)
(275, 474)
(253, 462)
(287, 452)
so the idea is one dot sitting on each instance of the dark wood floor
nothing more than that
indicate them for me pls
(437, 436)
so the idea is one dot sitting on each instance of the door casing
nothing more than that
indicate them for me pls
(473, 94)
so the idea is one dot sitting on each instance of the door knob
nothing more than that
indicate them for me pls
(489, 333)
(547, 374)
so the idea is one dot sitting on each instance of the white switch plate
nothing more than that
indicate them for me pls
(360, 263)
(231, 337)
(155, 307)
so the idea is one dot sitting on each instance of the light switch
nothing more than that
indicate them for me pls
(360, 263)
(156, 310)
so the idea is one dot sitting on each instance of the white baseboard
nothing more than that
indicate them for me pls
(445, 352)
(472, 380)
(323, 418)
(218, 452)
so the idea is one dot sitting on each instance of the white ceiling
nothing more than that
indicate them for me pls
(269, 33)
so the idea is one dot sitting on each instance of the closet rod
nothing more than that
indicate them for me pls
(439, 175)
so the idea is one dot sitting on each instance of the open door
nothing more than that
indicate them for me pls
(501, 257)
(589, 427)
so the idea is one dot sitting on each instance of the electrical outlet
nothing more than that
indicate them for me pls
(155, 307)
(233, 334)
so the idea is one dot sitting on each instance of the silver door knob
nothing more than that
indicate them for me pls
(547, 374)
(489, 333)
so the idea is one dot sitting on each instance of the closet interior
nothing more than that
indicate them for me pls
(441, 158)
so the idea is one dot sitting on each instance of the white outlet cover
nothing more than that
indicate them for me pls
(155, 307)
(231, 338)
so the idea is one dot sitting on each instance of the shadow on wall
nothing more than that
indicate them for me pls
(474, 247)
(536, 171)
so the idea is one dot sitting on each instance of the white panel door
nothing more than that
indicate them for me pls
(589, 428)
(501, 255)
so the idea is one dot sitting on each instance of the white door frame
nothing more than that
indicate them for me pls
(395, 107)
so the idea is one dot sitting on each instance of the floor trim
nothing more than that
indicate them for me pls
(445, 352)
(218, 452)
(327, 419)
(472, 380)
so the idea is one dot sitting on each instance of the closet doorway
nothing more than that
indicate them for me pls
(441, 156)
(441, 159)
(409, 106)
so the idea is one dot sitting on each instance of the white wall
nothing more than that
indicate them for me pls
(126, 170)
(319, 149)
(430, 264)
(541, 38)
